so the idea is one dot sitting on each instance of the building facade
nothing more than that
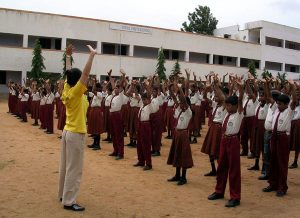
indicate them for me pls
(134, 47)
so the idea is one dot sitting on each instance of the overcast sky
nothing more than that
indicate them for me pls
(168, 13)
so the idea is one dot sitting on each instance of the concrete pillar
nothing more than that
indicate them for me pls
(283, 67)
(23, 76)
(63, 43)
(25, 41)
(131, 48)
(262, 64)
(52, 43)
(211, 58)
(238, 61)
(99, 47)
(187, 56)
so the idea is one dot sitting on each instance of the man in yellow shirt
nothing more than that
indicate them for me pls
(72, 147)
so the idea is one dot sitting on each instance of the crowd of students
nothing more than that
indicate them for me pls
(260, 116)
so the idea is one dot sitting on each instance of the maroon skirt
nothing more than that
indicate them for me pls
(169, 117)
(133, 120)
(35, 109)
(180, 154)
(195, 122)
(95, 121)
(125, 110)
(61, 117)
(42, 115)
(295, 135)
(106, 120)
(259, 137)
(211, 144)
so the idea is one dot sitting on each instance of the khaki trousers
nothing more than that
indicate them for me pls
(71, 163)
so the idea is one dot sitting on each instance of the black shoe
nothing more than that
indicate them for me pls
(232, 203)
(194, 141)
(49, 132)
(268, 189)
(119, 158)
(105, 140)
(251, 156)
(168, 137)
(129, 144)
(96, 148)
(147, 168)
(35, 124)
(174, 179)
(182, 181)
(60, 199)
(91, 135)
(138, 165)
(74, 207)
(280, 193)
(255, 167)
(263, 177)
(59, 137)
(293, 165)
(211, 173)
(112, 154)
(244, 153)
(215, 196)
(91, 146)
(155, 154)
(125, 134)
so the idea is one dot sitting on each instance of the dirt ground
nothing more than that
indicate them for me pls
(29, 162)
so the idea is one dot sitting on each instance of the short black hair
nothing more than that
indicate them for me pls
(73, 76)
(275, 94)
(284, 99)
(145, 96)
(233, 100)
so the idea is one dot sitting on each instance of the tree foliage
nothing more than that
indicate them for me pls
(266, 74)
(176, 68)
(200, 21)
(252, 69)
(160, 66)
(37, 65)
(64, 60)
(281, 77)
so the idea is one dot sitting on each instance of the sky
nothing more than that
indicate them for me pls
(168, 14)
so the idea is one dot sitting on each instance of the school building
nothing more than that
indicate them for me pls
(134, 47)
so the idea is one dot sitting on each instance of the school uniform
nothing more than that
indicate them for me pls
(144, 139)
(279, 149)
(14, 100)
(117, 124)
(57, 104)
(24, 104)
(211, 144)
(169, 114)
(295, 131)
(42, 113)
(49, 112)
(196, 121)
(248, 128)
(106, 120)
(135, 105)
(156, 126)
(35, 106)
(95, 117)
(180, 154)
(229, 157)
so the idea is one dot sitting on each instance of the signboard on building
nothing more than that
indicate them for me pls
(129, 28)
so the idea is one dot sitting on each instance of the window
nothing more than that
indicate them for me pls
(46, 42)
(7, 39)
(115, 49)
(2, 77)
(175, 55)
(108, 48)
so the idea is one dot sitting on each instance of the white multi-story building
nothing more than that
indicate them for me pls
(134, 47)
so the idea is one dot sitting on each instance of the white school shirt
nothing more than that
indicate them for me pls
(196, 98)
(134, 102)
(57, 95)
(125, 99)
(36, 96)
(297, 113)
(284, 121)
(234, 123)
(220, 113)
(13, 92)
(24, 97)
(160, 99)
(43, 100)
(263, 111)
(155, 104)
(250, 109)
(145, 112)
(108, 100)
(269, 117)
(50, 98)
(97, 99)
(117, 102)
(184, 119)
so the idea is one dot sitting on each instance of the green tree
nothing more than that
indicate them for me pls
(176, 68)
(281, 77)
(37, 65)
(266, 74)
(252, 69)
(160, 66)
(201, 21)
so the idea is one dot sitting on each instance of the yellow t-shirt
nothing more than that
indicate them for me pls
(76, 107)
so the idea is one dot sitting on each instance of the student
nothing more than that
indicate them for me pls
(35, 104)
(143, 130)
(49, 110)
(281, 125)
(95, 117)
(169, 113)
(24, 96)
(116, 118)
(106, 120)
(229, 157)
(180, 155)
(295, 130)
(72, 147)
(211, 144)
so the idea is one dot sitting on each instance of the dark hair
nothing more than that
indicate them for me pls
(98, 86)
(284, 99)
(73, 76)
(225, 90)
(275, 94)
(145, 96)
(233, 100)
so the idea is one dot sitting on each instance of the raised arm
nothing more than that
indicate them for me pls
(239, 83)
(87, 69)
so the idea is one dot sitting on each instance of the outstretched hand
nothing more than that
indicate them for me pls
(93, 51)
